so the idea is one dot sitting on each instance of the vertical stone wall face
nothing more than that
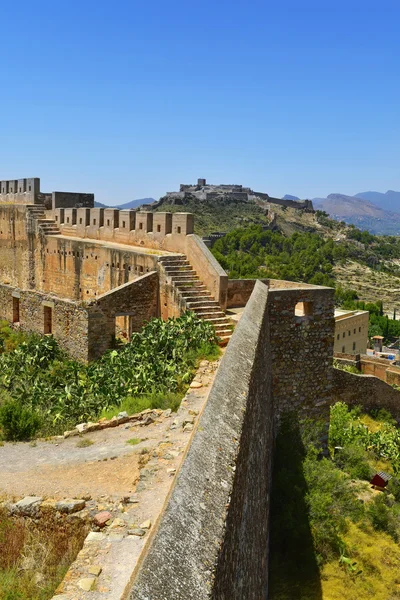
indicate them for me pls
(367, 390)
(137, 299)
(213, 538)
(69, 320)
(212, 541)
(20, 191)
(84, 330)
(301, 347)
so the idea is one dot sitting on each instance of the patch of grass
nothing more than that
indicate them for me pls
(134, 441)
(136, 404)
(377, 556)
(84, 443)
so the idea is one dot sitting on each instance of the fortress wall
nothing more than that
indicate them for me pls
(71, 200)
(172, 232)
(20, 191)
(14, 245)
(152, 230)
(212, 541)
(239, 291)
(136, 300)
(301, 346)
(83, 269)
(367, 390)
(69, 320)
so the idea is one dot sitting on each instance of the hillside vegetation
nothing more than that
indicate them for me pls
(316, 249)
(217, 215)
(332, 536)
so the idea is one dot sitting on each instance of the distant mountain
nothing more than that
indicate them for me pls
(388, 201)
(289, 197)
(136, 203)
(361, 213)
(127, 205)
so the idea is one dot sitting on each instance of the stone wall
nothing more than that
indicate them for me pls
(84, 330)
(365, 390)
(136, 300)
(239, 291)
(69, 320)
(71, 200)
(212, 541)
(301, 346)
(20, 191)
(207, 268)
(372, 365)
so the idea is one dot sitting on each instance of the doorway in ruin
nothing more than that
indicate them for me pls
(47, 320)
(124, 326)
(15, 310)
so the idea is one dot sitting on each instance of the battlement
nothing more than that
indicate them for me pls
(20, 191)
(122, 226)
(27, 191)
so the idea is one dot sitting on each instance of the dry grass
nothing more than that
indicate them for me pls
(34, 557)
(377, 556)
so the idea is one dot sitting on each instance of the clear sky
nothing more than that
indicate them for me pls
(131, 98)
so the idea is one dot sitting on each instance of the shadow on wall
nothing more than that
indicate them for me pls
(293, 569)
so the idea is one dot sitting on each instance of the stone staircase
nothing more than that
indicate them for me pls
(46, 226)
(195, 296)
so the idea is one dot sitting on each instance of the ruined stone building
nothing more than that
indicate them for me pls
(85, 274)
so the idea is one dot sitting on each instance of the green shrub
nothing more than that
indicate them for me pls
(17, 422)
(382, 518)
(393, 487)
(353, 460)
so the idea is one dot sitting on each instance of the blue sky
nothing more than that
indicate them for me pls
(130, 99)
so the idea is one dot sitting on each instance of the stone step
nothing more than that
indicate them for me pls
(179, 280)
(166, 260)
(185, 286)
(200, 299)
(200, 304)
(178, 270)
(211, 314)
(214, 310)
(174, 264)
(182, 273)
(195, 293)
(223, 341)
(217, 321)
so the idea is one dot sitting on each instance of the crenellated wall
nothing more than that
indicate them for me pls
(20, 191)
(153, 230)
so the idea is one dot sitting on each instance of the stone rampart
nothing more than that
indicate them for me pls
(240, 290)
(365, 390)
(153, 230)
(20, 191)
(212, 541)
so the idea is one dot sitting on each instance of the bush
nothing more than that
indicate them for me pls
(353, 459)
(18, 423)
(382, 518)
